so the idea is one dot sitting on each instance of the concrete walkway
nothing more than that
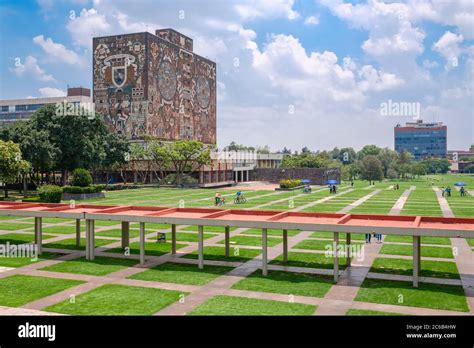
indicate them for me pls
(463, 254)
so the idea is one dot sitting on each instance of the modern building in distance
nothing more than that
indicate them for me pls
(422, 139)
(145, 84)
(12, 110)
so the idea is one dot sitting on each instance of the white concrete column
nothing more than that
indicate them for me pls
(38, 235)
(285, 246)
(348, 250)
(416, 260)
(88, 237)
(142, 242)
(173, 239)
(227, 241)
(201, 247)
(78, 232)
(264, 252)
(125, 234)
(336, 257)
(91, 239)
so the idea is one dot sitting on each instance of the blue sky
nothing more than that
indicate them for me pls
(310, 72)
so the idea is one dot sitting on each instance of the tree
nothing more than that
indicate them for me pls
(161, 154)
(115, 147)
(371, 168)
(368, 150)
(286, 151)
(137, 153)
(186, 153)
(347, 155)
(388, 158)
(11, 163)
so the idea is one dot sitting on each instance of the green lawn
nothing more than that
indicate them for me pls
(61, 229)
(342, 236)
(437, 269)
(111, 299)
(270, 232)
(18, 290)
(151, 248)
(18, 238)
(313, 260)
(71, 243)
(315, 244)
(117, 233)
(436, 296)
(426, 251)
(23, 261)
(424, 240)
(218, 254)
(281, 282)
(230, 305)
(11, 226)
(182, 273)
(252, 241)
(100, 266)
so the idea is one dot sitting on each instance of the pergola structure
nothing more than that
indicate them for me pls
(415, 226)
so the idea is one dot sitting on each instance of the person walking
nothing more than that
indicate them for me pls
(378, 236)
(462, 192)
(442, 191)
(368, 237)
(217, 199)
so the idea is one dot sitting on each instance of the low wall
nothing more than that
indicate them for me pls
(318, 176)
(82, 196)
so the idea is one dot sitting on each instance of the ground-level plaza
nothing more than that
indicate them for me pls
(170, 278)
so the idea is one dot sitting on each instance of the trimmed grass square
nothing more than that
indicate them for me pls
(437, 269)
(100, 266)
(181, 273)
(436, 296)
(18, 290)
(71, 243)
(220, 229)
(270, 232)
(61, 229)
(111, 299)
(23, 261)
(237, 254)
(281, 282)
(190, 237)
(424, 240)
(231, 305)
(117, 233)
(426, 251)
(11, 226)
(364, 312)
(151, 248)
(19, 238)
(312, 260)
(315, 244)
(252, 241)
(342, 236)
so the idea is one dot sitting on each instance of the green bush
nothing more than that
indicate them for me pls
(50, 193)
(171, 179)
(82, 190)
(290, 183)
(81, 177)
(36, 199)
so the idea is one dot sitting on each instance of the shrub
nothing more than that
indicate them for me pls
(81, 177)
(172, 179)
(32, 199)
(50, 193)
(290, 183)
(81, 190)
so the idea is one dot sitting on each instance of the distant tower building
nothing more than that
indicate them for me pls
(422, 139)
(147, 84)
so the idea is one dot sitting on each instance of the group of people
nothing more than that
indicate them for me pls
(396, 187)
(446, 191)
(218, 199)
(307, 189)
(377, 236)
(332, 189)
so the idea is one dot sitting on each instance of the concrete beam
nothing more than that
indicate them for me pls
(125, 234)
(173, 239)
(227, 241)
(39, 235)
(142, 242)
(336, 257)
(201, 247)
(285, 246)
(416, 260)
(264, 252)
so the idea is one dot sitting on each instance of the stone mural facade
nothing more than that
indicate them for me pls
(147, 84)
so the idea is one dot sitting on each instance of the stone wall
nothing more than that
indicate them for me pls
(318, 176)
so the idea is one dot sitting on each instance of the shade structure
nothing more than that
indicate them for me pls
(332, 182)
(305, 181)
(460, 184)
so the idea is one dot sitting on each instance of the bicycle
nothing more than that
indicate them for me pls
(240, 200)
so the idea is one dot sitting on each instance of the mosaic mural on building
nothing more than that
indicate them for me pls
(147, 85)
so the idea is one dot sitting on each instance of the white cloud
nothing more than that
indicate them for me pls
(57, 52)
(31, 67)
(448, 47)
(49, 92)
(87, 25)
(311, 20)
(252, 9)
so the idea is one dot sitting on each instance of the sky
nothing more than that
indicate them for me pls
(291, 73)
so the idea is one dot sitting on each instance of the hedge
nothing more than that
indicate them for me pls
(81, 177)
(290, 183)
(50, 193)
(82, 190)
